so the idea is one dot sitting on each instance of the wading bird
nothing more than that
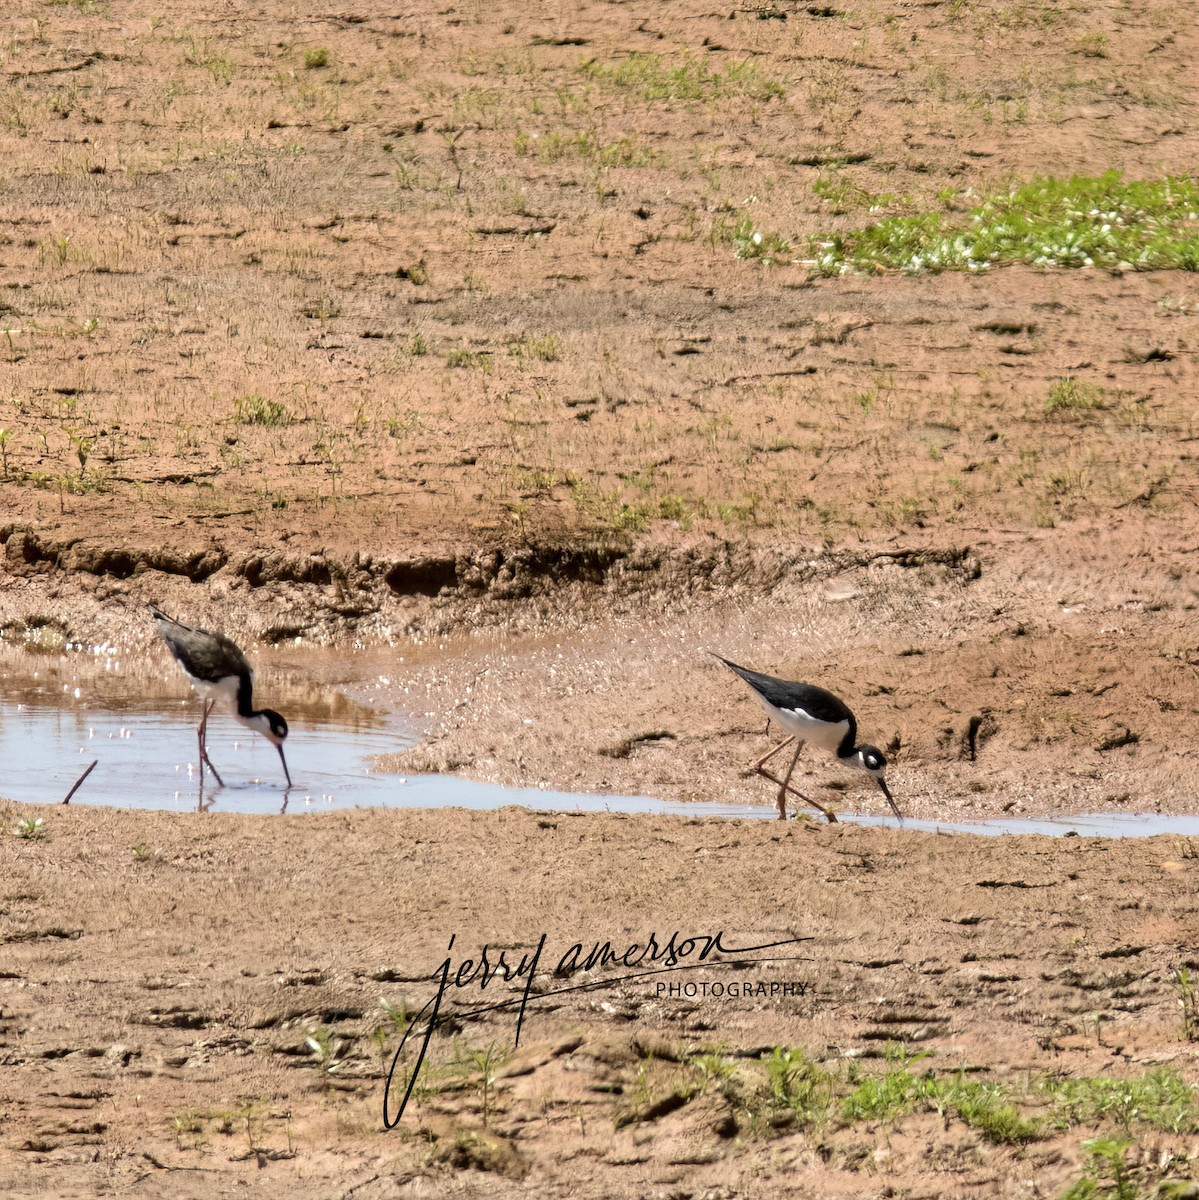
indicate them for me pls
(218, 668)
(810, 714)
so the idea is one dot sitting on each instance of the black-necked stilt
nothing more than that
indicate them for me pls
(811, 714)
(217, 667)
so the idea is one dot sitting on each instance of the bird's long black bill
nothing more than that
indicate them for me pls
(890, 799)
(288, 773)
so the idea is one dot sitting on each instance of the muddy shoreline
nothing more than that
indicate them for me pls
(1000, 676)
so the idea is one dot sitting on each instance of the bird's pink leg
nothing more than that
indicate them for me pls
(785, 786)
(755, 768)
(202, 734)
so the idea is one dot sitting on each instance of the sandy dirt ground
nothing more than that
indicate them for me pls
(424, 332)
(158, 1004)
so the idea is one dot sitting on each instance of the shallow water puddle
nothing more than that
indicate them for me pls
(137, 719)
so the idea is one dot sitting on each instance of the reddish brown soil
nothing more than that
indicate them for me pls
(441, 345)
(156, 1009)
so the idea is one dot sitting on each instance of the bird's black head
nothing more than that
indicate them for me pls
(872, 759)
(277, 725)
(874, 762)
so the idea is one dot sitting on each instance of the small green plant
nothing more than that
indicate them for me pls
(545, 347)
(143, 852)
(799, 1085)
(5, 438)
(258, 410)
(750, 242)
(394, 1021)
(315, 58)
(83, 448)
(326, 1053)
(844, 195)
(675, 508)
(483, 1063)
(715, 1070)
(1108, 1175)
(1069, 395)
(399, 426)
(769, 248)
(190, 1121)
(1188, 1001)
(417, 346)
(1092, 45)
(460, 356)
(984, 1106)
(395, 1016)
(31, 829)
(897, 1091)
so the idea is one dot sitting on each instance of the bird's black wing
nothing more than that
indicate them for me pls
(803, 697)
(203, 655)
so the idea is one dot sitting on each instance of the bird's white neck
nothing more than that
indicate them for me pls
(259, 724)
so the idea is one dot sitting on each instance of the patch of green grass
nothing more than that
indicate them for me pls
(553, 146)
(1160, 1099)
(886, 1096)
(1069, 395)
(844, 195)
(788, 1087)
(799, 1085)
(675, 508)
(1108, 1175)
(460, 356)
(544, 347)
(258, 410)
(316, 57)
(988, 1108)
(750, 242)
(652, 78)
(1084, 221)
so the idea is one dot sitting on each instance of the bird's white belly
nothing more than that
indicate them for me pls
(222, 690)
(814, 733)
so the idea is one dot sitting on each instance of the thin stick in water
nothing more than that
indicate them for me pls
(78, 782)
